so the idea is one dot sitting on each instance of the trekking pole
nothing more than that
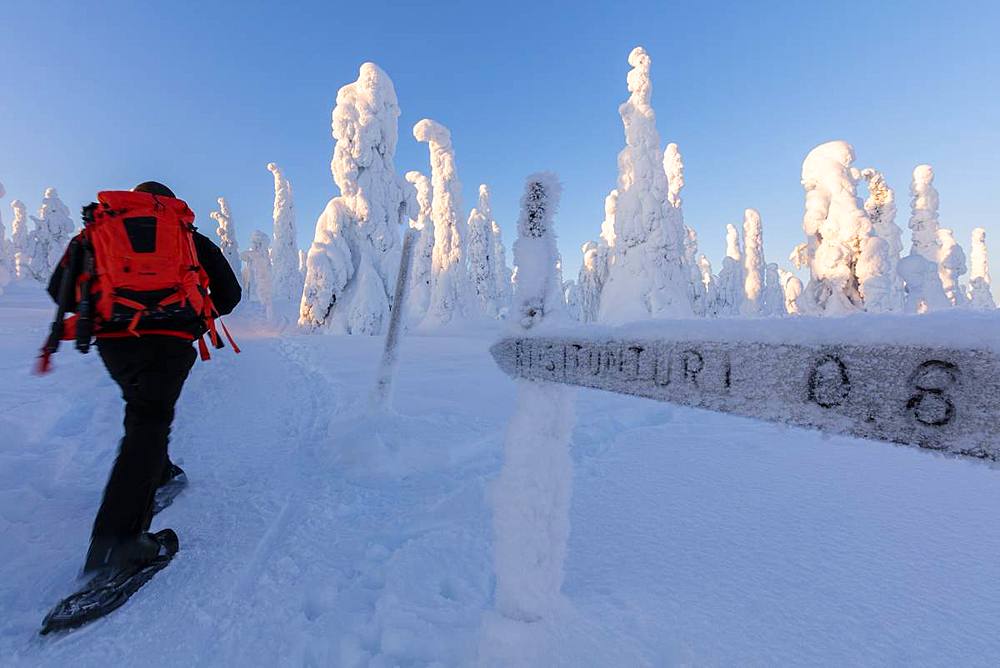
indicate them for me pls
(65, 297)
(84, 311)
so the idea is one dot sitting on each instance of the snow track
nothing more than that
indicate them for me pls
(313, 535)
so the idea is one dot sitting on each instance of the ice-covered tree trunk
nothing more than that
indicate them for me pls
(835, 227)
(419, 294)
(226, 231)
(284, 247)
(753, 263)
(881, 209)
(257, 275)
(47, 242)
(450, 293)
(19, 239)
(353, 261)
(951, 266)
(792, 288)
(980, 296)
(648, 277)
(482, 264)
(730, 290)
(501, 271)
(531, 496)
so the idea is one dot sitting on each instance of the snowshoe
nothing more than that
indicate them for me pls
(174, 483)
(111, 588)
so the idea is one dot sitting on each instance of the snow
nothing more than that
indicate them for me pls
(284, 247)
(648, 276)
(753, 263)
(695, 537)
(538, 292)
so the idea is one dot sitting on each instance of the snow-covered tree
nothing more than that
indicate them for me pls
(772, 301)
(501, 271)
(951, 266)
(924, 223)
(538, 292)
(919, 270)
(792, 288)
(835, 227)
(421, 267)
(753, 263)
(19, 239)
(257, 275)
(590, 280)
(228, 244)
(450, 292)
(284, 247)
(980, 296)
(881, 209)
(353, 261)
(303, 259)
(571, 298)
(648, 277)
(482, 264)
(710, 286)
(730, 288)
(48, 241)
(673, 166)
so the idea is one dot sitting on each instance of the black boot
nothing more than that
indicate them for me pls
(111, 554)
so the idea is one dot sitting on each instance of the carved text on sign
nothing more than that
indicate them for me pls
(934, 398)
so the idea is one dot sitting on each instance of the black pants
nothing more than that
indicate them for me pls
(151, 372)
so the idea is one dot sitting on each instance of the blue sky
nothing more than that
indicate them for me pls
(200, 95)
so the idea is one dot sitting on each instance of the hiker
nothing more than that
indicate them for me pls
(145, 341)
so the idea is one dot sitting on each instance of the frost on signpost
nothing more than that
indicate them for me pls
(532, 494)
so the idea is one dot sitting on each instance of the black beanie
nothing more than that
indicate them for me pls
(154, 188)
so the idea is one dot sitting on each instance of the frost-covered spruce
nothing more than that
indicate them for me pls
(19, 238)
(538, 291)
(648, 277)
(924, 223)
(881, 209)
(730, 289)
(531, 496)
(226, 231)
(590, 280)
(419, 293)
(352, 263)
(980, 296)
(753, 263)
(284, 247)
(696, 288)
(571, 298)
(835, 226)
(450, 292)
(951, 266)
(47, 242)
(482, 264)
(792, 288)
(257, 279)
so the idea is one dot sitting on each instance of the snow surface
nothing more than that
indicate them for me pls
(311, 536)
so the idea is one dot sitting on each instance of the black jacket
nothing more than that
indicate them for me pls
(222, 283)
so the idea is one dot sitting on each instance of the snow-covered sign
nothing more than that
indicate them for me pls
(937, 398)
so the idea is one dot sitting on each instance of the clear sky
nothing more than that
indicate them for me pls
(202, 95)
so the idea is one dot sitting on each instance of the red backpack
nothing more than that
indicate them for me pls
(140, 274)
